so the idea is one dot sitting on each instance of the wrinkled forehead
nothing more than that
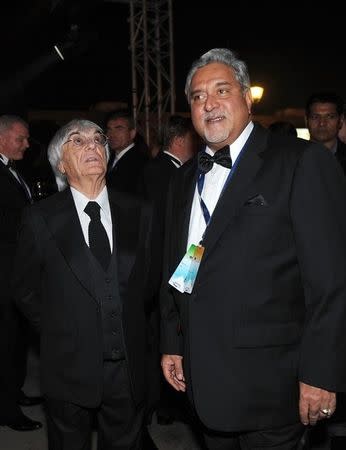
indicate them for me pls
(83, 131)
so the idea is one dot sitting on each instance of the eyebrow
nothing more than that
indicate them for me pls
(217, 85)
(73, 133)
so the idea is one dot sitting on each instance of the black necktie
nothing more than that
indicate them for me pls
(206, 161)
(98, 239)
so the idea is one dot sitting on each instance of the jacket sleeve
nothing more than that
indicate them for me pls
(318, 213)
(171, 341)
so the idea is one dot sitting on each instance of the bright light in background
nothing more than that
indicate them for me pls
(256, 93)
(56, 48)
(303, 133)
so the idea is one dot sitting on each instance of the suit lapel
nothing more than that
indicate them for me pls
(234, 194)
(66, 229)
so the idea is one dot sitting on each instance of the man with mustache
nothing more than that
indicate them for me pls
(87, 275)
(254, 294)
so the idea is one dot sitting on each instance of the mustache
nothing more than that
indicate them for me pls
(214, 115)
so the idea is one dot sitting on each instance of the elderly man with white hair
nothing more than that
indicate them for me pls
(84, 285)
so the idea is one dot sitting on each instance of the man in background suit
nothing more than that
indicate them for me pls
(258, 339)
(127, 157)
(179, 143)
(88, 274)
(324, 116)
(14, 196)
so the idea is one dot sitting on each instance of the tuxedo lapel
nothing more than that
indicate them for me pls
(238, 188)
(65, 227)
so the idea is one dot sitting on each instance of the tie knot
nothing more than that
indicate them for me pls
(221, 157)
(93, 210)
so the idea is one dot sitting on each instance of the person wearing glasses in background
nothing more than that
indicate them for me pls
(324, 115)
(87, 274)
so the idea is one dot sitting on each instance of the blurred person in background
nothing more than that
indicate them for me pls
(324, 115)
(14, 196)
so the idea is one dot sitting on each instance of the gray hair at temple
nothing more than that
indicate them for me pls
(55, 147)
(224, 56)
(8, 120)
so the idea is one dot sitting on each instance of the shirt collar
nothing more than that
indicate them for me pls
(81, 200)
(4, 159)
(122, 152)
(238, 144)
(174, 158)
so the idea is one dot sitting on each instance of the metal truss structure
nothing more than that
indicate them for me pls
(152, 62)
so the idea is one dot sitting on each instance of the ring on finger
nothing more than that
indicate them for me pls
(326, 411)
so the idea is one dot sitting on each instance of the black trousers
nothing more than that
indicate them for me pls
(281, 438)
(119, 422)
(13, 356)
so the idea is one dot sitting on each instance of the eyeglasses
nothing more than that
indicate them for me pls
(82, 141)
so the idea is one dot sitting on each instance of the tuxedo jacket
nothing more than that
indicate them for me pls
(12, 201)
(124, 176)
(154, 182)
(268, 308)
(54, 288)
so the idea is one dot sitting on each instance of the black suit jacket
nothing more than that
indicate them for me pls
(341, 154)
(155, 180)
(12, 202)
(54, 288)
(268, 308)
(125, 174)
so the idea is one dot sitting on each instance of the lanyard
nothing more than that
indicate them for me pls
(200, 185)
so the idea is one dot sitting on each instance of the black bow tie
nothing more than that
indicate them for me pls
(221, 157)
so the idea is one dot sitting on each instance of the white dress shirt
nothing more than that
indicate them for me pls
(213, 184)
(80, 201)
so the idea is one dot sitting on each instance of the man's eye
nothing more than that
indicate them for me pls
(199, 98)
(78, 140)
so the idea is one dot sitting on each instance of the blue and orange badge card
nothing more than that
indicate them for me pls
(184, 276)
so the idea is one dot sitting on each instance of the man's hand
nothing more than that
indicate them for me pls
(172, 368)
(315, 404)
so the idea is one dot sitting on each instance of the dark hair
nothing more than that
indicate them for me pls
(325, 97)
(175, 126)
(121, 114)
(283, 127)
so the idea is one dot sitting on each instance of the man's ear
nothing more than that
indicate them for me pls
(61, 168)
(133, 133)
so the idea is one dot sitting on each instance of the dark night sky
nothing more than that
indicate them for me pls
(289, 61)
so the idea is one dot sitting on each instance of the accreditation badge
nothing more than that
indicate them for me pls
(184, 276)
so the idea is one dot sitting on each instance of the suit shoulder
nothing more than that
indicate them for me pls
(126, 200)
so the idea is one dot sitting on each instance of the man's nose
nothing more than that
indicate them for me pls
(211, 102)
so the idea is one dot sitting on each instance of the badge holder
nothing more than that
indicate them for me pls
(184, 276)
